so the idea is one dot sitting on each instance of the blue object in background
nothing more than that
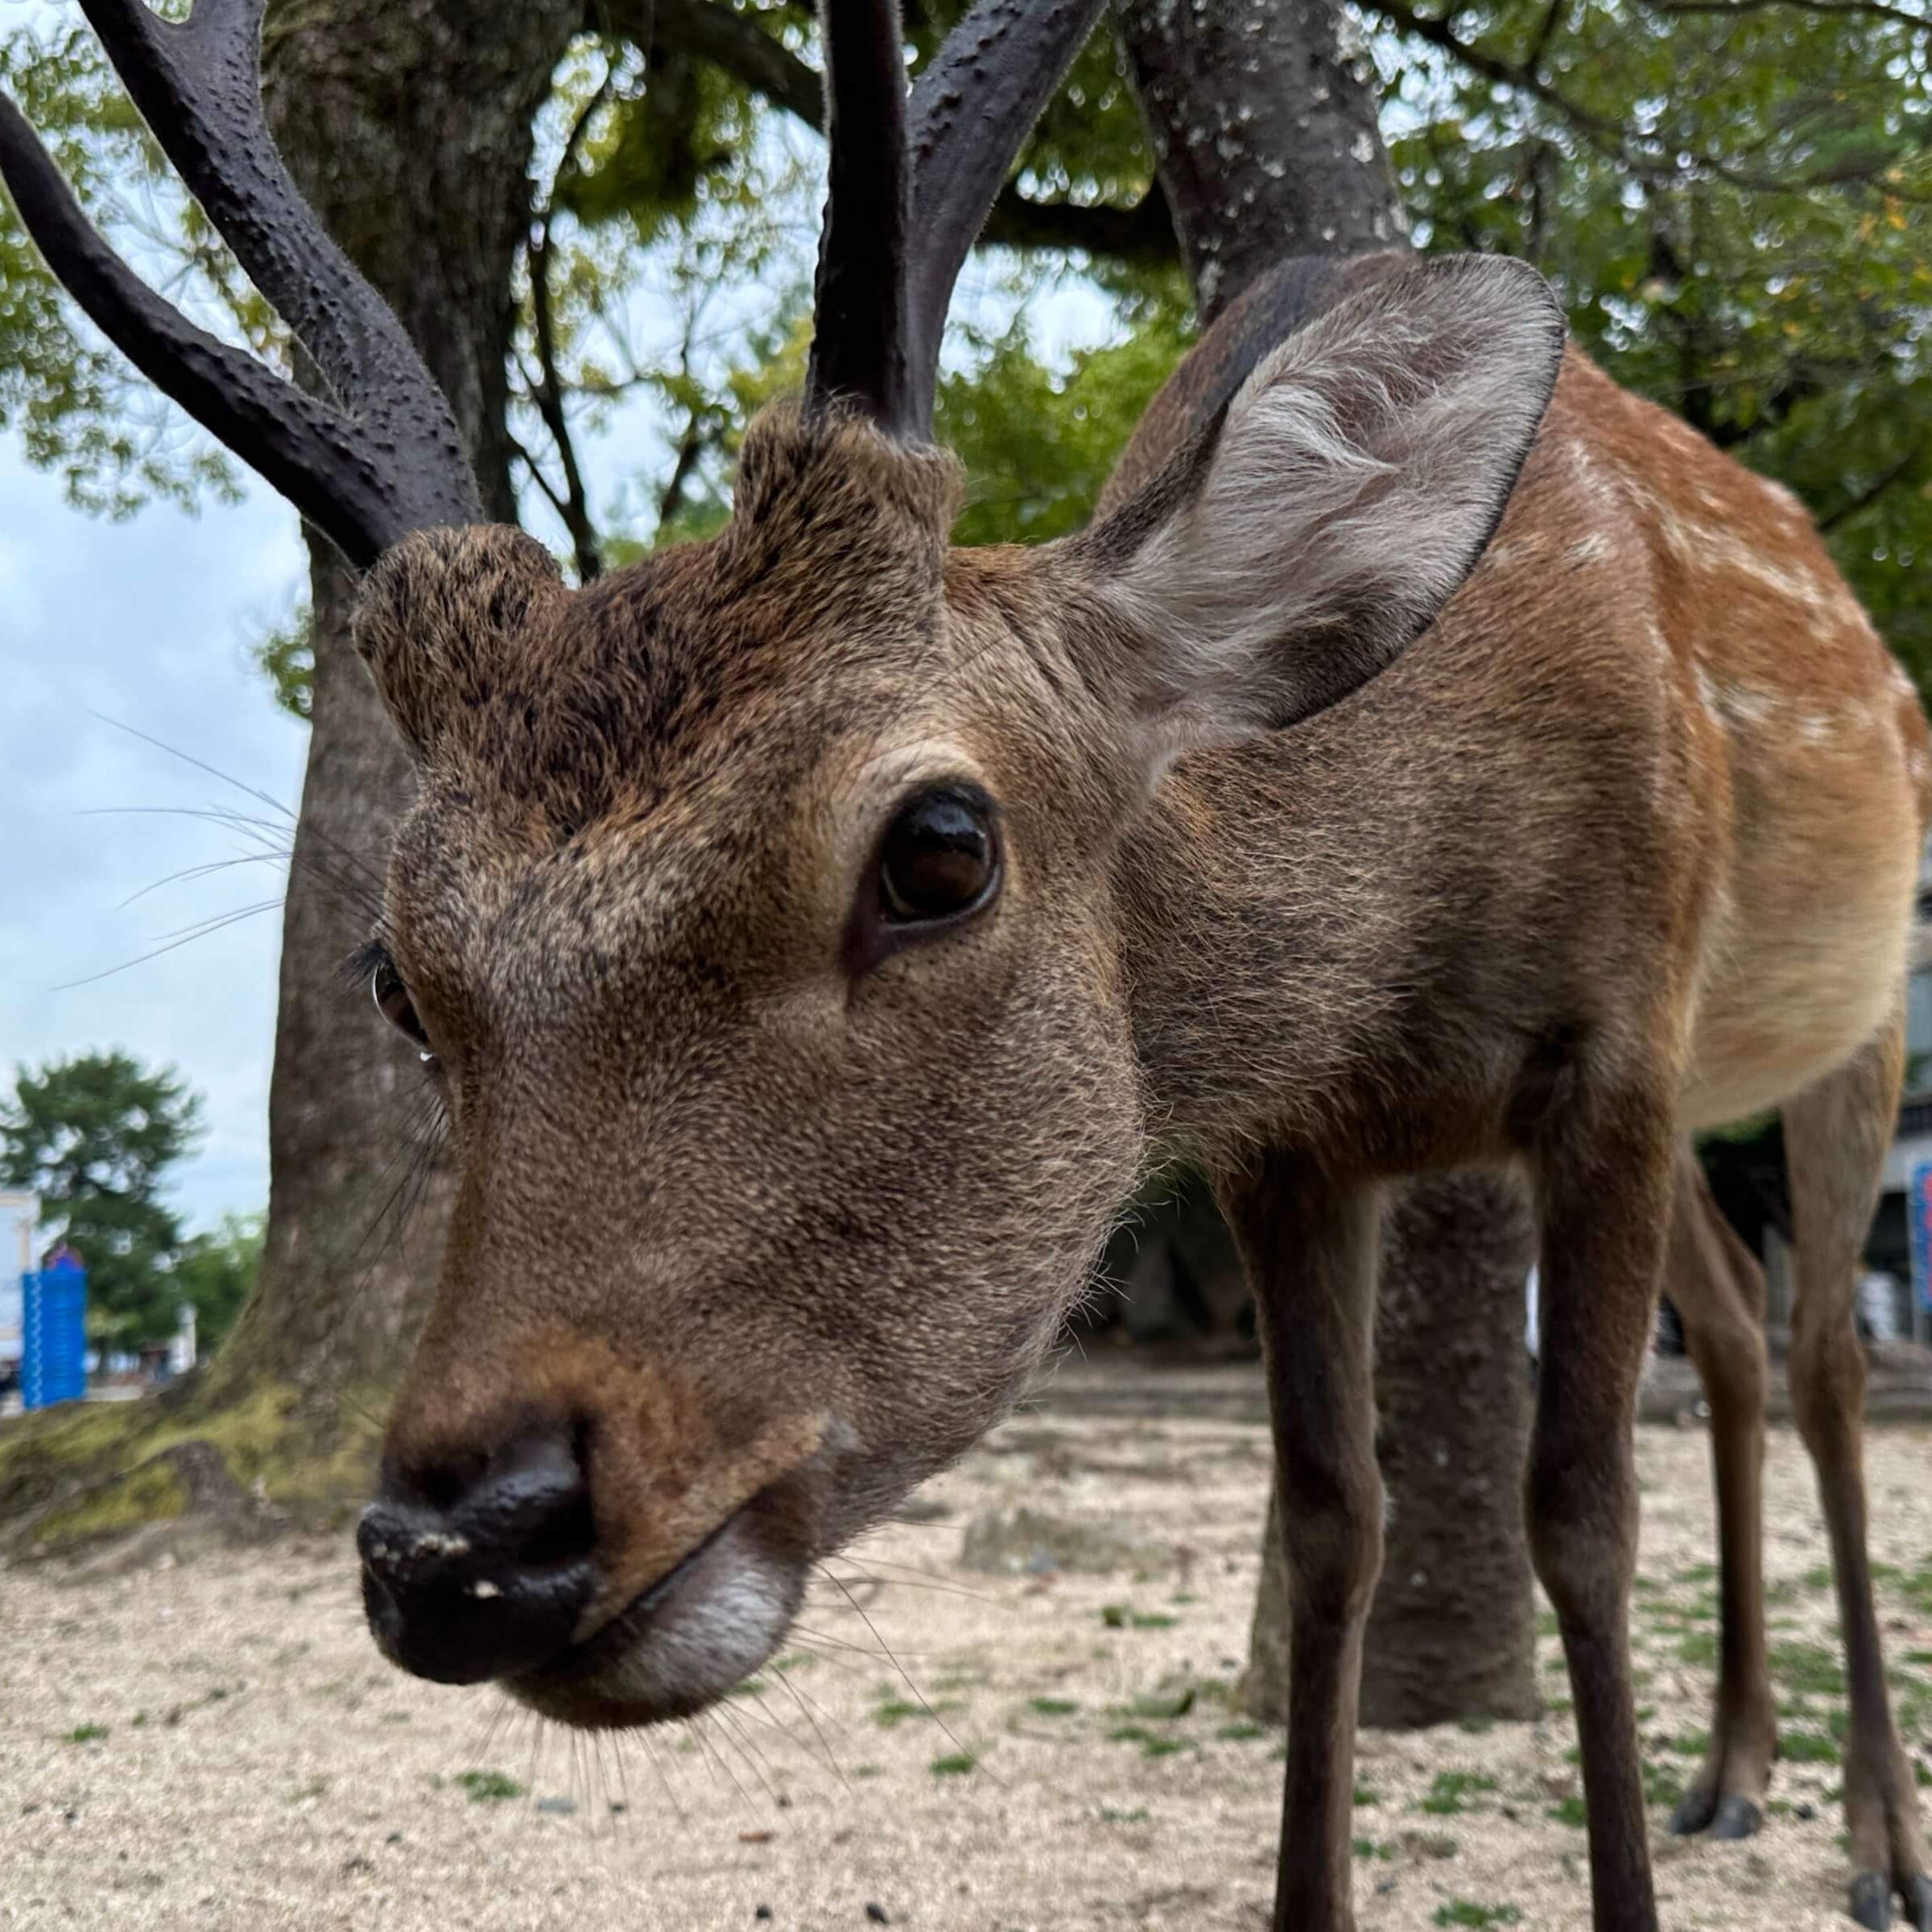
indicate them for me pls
(53, 1334)
(1918, 1228)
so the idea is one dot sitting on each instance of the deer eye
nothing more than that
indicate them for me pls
(393, 1003)
(940, 858)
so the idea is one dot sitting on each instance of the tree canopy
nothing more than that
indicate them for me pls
(94, 1135)
(1750, 251)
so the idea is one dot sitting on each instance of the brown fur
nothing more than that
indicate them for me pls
(1625, 842)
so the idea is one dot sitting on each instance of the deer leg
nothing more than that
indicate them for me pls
(1310, 1253)
(1835, 1135)
(1604, 1181)
(1720, 1292)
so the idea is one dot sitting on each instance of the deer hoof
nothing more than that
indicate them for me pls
(1694, 1810)
(1737, 1817)
(1918, 1902)
(1871, 1900)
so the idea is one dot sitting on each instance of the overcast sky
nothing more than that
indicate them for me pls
(145, 623)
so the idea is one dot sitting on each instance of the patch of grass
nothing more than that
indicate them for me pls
(1698, 1647)
(1369, 1847)
(1570, 1811)
(1662, 1784)
(85, 1734)
(1916, 1588)
(1240, 1732)
(1809, 1669)
(1366, 1793)
(488, 1787)
(1052, 1707)
(317, 1787)
(1691, 1743)
(1476, 1727)
(1153, 1744)
(1139, 1815)
(957, 1764)
(891, 1709)
(1447, 1794)
(1466, 1912)
(1124, 1616)
(1546, 1624)
(1809, 1748)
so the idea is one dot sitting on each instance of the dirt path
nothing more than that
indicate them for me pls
(215, 1744)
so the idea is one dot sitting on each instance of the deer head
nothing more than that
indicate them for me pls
(759, 916)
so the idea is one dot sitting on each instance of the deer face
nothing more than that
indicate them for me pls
(758, 918)
(750, 914)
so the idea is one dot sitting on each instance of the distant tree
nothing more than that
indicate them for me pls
(93, 1136)
(216, 1273)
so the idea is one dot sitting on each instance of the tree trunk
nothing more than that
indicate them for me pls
(1262, 115)
(1263, 120)
(410, 130)
(1452, 1631)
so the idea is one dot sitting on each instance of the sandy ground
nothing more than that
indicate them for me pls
(213, 1744)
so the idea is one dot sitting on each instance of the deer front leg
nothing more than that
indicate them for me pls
(1310, 1253)
(1603, 1184)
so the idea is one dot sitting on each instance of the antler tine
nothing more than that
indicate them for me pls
(301, 446)
(903, 212)
(198, 86)
(860, 347)
(971, 112)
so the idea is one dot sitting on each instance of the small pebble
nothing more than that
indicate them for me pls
(762, 1911)
(877, 1914)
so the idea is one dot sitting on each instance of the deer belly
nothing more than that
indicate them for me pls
(1805, 962)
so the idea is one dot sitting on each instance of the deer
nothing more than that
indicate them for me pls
(1429, 755)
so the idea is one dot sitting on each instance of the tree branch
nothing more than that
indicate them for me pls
(736, 42)
(1612, 136)
(1876, 10)
(547, 392)
(1867, 496)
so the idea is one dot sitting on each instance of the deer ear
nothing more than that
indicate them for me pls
(1305, 540)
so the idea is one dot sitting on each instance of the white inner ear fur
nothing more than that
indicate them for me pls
(1359, 472)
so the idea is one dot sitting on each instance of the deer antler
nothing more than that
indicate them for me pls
(905, 206)
(389, 458)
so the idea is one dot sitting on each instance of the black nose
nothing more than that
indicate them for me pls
(470, 1576)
